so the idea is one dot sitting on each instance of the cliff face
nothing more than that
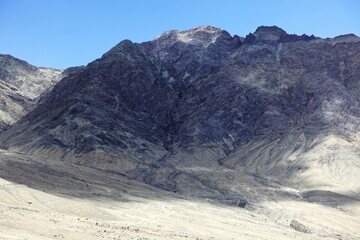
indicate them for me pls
(203, 99)
(20, 86)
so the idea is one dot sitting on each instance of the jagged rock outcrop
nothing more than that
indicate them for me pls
(20, 86)
(274, 34)
(200, 98)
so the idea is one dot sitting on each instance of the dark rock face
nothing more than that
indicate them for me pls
(274, 34)
(295, 38)
(195, 96)
(264, 33)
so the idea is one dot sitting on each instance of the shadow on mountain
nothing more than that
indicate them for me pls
(73, 180)
(328, 197)
(82, 182)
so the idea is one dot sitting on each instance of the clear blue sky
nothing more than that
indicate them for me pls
(64, 33)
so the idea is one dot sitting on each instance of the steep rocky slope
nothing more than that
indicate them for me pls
(20, 86)
(268, 122)
(205, 99)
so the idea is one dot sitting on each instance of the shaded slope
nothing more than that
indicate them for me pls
(42, 199)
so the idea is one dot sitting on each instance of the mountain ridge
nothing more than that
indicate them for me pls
(269, 123)
(21, 86)
(141, 102)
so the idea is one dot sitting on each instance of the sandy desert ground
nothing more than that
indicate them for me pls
(39, 200)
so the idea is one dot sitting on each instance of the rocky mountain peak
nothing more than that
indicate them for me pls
(269, 33)
(201, 36)
(121, 46)
(274, 34)
(345, 38)
(126, 49)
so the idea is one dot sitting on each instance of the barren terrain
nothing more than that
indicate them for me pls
(39, 200)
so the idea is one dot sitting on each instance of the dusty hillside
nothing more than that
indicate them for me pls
(43, 200)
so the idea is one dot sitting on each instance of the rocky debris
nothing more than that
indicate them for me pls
(233, 201)
(299, 226)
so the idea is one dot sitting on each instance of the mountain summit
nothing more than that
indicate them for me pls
(201, 35)
(269, 33)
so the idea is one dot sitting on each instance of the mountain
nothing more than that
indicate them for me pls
(21, 84)
(205, 114)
